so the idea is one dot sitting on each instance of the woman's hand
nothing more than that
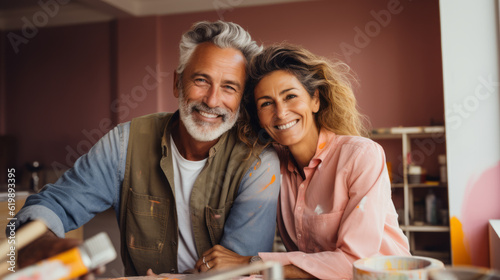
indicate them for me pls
(219, 257)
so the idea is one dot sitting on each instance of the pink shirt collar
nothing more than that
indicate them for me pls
(326, 142)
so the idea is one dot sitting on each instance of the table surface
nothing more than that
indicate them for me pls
(174, 277)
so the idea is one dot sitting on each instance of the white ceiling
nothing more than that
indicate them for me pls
(17, 14)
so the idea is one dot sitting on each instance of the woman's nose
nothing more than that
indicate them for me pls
(281, 111)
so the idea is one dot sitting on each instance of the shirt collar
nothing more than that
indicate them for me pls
(326, 141)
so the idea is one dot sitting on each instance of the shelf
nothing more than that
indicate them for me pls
(412, 132)
(426, 228)
(432, 254)
(405, 193)
(424, 185)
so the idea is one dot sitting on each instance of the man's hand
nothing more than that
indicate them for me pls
(49, 245)
(219, 257)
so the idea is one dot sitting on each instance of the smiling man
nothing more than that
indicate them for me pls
(180, 183)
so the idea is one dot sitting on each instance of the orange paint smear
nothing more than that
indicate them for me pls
(154, 201)
(250, 175)
(257, 165)
(272, 181)
(459, 244)
(322, 145)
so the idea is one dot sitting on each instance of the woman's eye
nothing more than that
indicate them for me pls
(265, 104)
(290, 96)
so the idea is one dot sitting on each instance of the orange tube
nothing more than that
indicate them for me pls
(72, 259)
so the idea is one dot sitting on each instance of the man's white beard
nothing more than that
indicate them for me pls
(200, 130)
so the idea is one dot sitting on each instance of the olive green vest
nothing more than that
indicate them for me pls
(148, 218)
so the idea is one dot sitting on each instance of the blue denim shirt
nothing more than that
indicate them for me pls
(94, 184)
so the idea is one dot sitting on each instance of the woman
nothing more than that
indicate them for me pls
(335, 203)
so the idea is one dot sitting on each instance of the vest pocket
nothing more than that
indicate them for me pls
(215, 219)
(146, 221)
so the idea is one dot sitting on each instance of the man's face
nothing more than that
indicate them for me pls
(211, 90)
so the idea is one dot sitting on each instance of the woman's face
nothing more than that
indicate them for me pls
(285, 109)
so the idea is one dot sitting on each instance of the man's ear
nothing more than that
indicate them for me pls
(315, 101)
(176, 83)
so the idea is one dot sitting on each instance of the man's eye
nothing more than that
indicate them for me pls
(229, 88)
(200, 81)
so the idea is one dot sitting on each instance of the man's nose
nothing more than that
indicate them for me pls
(212, 97)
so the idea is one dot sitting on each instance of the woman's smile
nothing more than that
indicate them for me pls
(287, 125)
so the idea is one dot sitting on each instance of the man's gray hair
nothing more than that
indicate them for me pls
(220, 33)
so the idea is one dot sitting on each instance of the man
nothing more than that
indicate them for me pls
(180, 183)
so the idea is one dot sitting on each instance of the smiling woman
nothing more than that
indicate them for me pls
(335, 186)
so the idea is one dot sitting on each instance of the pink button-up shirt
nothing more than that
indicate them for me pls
(342, 211)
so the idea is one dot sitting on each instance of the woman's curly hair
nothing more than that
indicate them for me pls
(338, 108)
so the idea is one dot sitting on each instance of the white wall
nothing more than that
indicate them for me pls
(470, 51)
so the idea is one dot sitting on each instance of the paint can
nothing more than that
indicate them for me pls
(395, 268)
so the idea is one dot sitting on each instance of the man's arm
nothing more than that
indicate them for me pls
(251, 224)
(88, 188)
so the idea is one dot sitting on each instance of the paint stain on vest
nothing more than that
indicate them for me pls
(132, 241)
(266, 186)
(139, 174)
(152, 208)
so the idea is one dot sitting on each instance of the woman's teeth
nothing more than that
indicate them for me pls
(288, 125)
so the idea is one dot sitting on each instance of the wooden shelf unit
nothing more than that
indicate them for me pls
(416, 232)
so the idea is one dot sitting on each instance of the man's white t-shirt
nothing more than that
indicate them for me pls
(185, 174)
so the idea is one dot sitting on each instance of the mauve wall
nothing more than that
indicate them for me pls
(57, 91)
(67, 85)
